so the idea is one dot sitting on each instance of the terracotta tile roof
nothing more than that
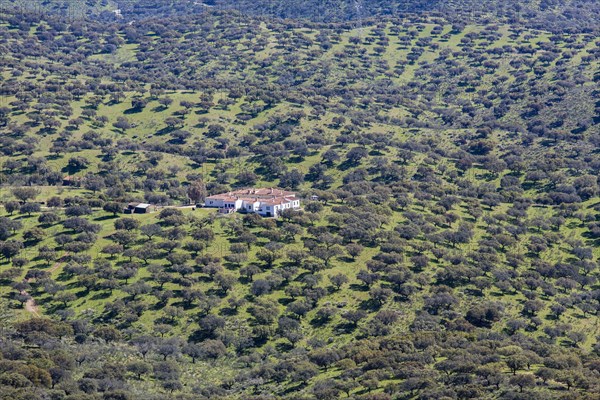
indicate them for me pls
(263, 192)
(255, 195)
(277, 201)
(222, 196)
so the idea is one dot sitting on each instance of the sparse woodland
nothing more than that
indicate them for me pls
(451, 249)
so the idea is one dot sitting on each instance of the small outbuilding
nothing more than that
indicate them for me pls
(139, 208)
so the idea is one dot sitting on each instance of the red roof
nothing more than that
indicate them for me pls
(255, 195)
(271, 192)
(278, 201)
(222, 196)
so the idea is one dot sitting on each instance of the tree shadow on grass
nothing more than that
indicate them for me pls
(359, 288)
(284, 347)
(285, 301)
(53, 157)
(164, 131)
(369, 305)
(101, 296)
(295, 389)
(474, 292)
(133, 110)
(319, 322)
(106, 217)
(62, 277)
(581, 316)
(345, 327)
(228, 311)
(41, 266)
(346, 165)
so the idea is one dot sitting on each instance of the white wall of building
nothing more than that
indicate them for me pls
(214, 203)
(258, 206)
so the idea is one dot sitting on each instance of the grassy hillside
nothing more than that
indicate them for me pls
(452, 251)
(552, 15)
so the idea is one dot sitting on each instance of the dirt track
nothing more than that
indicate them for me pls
(30, 305)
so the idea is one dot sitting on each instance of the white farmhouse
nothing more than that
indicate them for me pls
(267, 202)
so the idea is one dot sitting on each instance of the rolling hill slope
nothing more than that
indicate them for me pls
(451, 251)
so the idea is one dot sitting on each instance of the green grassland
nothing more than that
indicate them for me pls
(473, 199)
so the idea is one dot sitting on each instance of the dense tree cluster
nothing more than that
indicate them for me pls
(554, 15)
(447, 245)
